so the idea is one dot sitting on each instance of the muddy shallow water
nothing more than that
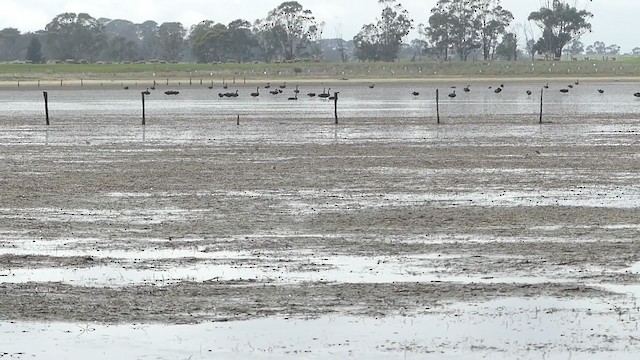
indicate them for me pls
(290, 222)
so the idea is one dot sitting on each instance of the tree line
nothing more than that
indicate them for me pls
(461, 29)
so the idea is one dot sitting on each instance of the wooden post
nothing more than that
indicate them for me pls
(144, 120)
(335, 105)
(541, 99)
(201, 81)
(38, 83)
(60, 82)
(46, 106)
(238, 122)
(438, 105)
(167, 82)
(190, 83)
(18, 83)
(81, 82)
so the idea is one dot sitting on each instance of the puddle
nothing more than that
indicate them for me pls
(504, 329)
(290, 269)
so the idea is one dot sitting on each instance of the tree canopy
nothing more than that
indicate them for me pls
(382, 41)
(560, 23)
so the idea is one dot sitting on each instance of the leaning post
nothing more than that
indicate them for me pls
(335, 105)
(541, 103)
(438, 105)
(46, 106)
(144, 120)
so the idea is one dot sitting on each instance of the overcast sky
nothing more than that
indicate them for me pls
(347, 15)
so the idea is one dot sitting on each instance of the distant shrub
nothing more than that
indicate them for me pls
(297, 70)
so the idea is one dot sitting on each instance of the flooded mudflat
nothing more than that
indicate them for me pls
(287, 236)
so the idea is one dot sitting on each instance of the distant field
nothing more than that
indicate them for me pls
(624, 67)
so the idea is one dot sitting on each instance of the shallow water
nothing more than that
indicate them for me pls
(356, 101)
(503, 329)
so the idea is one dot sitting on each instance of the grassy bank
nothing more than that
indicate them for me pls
(629, 67)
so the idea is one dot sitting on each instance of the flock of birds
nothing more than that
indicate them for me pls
(326, 94)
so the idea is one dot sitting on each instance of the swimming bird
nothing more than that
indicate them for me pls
(325, 95)
(225, 86)
(294, 97)
(283, 86)
(126, 88)
(577, 82)
(546, 86)
(147, 92)
(453, 94)
(296, 91)
(467, 88)
(570, 86)
(497, 90)
(601, 91)
(268, 86)
(529, 92)
(371, 86)
(235, 94)
(311, 94)
(415, 93)
(257, 93)
(274, 92)
(564, 90)
(637, 94)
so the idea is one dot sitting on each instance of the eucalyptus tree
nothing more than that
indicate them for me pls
(366, 43)
(383, 40)
(292, 28)
(468, 25)
(170, 40)
(148, 34)
(560, 23)
(455, 24)
(508, 47)
(34, 51)
(75, 36)
(241, 40)
(270, 40)
(494, 21)
(10, 44)
(203, 38)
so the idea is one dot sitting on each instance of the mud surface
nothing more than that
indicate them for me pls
(204, 220)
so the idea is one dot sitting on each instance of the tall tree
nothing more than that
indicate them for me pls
(467, 25)
(367, 43)
(508, 47)
(9, 44)
(34, 51)
(210, 41)
(270, 39)
(148, 35)
(170, 40)
(383, 40)
(494, 20)
(560, 24)
(75, 36)
(241, 40)
(459, 19)
(297, 25)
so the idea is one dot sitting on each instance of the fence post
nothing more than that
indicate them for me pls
(46, 106)
(438, 105)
